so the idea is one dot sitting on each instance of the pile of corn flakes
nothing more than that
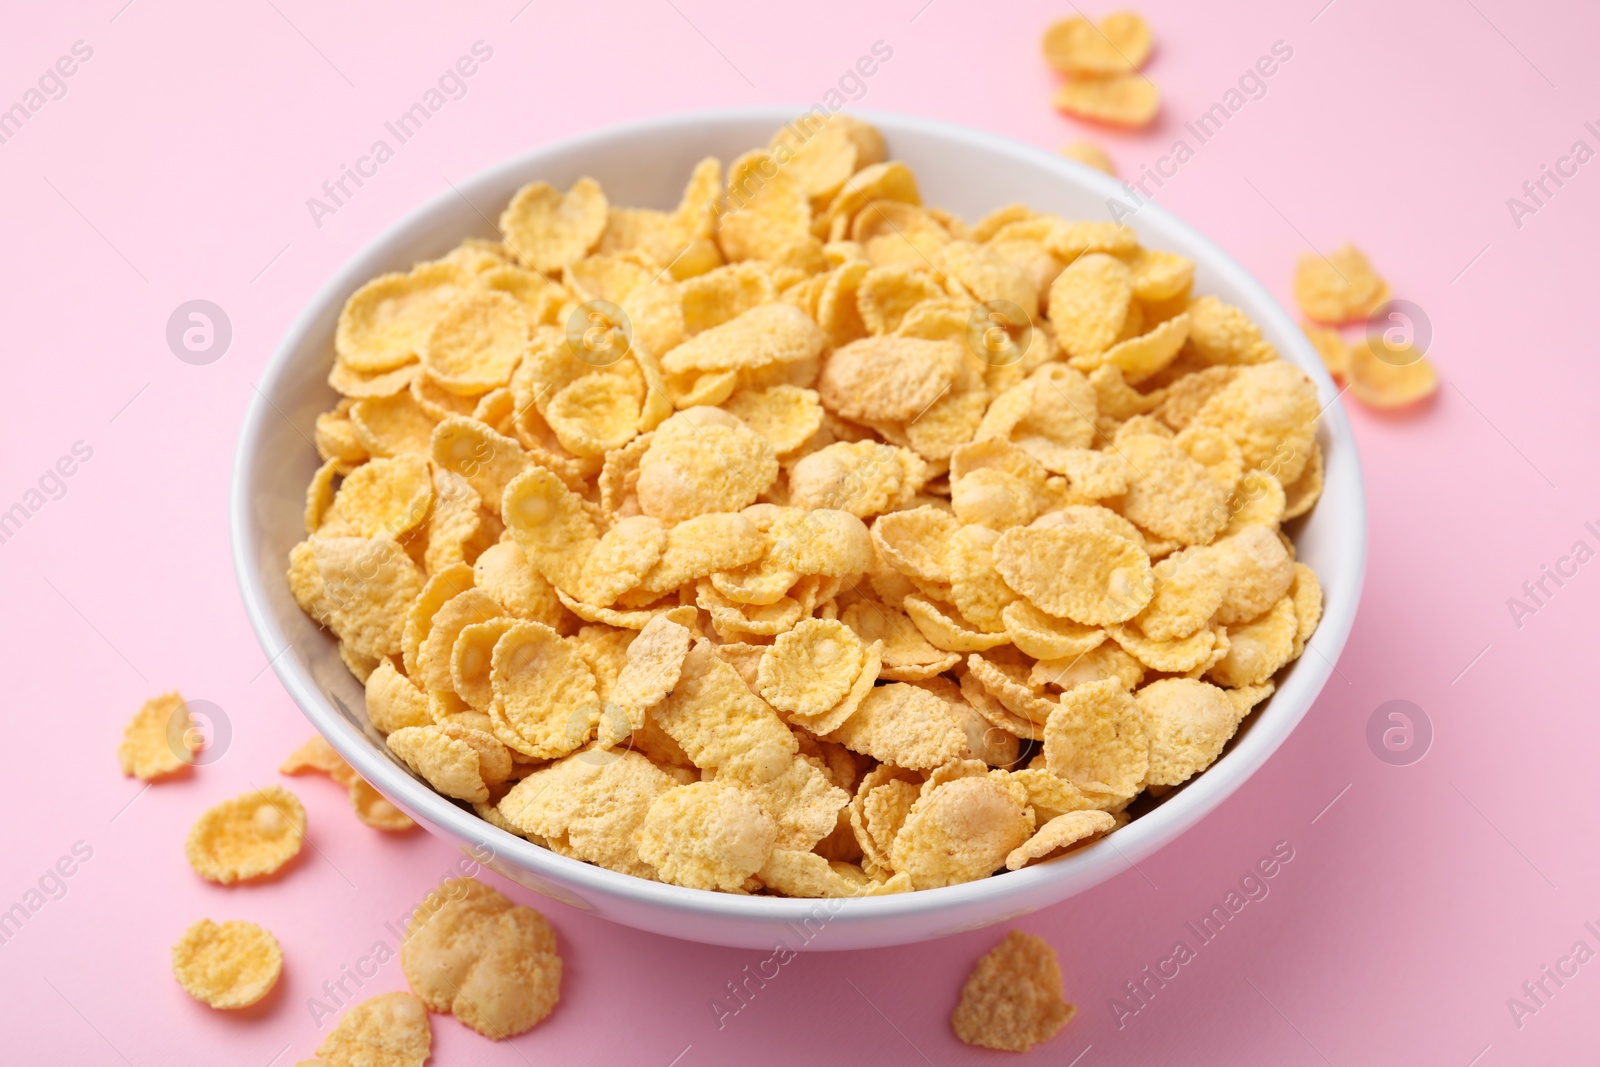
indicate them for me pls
(804, 538)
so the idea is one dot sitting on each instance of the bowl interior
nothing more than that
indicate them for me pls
(646, 164)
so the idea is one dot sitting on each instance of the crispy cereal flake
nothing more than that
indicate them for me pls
(247, 837)
(1012, 1000)
(227, 965)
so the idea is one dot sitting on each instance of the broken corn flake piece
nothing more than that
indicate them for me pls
(1012, 1000)
(227, 965)
(160, 740)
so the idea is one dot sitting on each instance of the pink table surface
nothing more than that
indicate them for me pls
(1419, 899)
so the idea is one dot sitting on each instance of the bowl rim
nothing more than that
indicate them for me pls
(1088, 866)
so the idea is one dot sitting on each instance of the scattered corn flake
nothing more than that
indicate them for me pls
(1119, 44)
(491, 963)
(159, 740)
(388, 1030)
(1095, 739)
(708, 835)
(227, 965)
(1091, 155)
(248, 836)
(1339, 287)
(1331, 347)
(1130, 100)
(1012, 1000)
(1390, 376)
(374, 809)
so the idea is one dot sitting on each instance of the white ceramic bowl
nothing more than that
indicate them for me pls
(646, 164)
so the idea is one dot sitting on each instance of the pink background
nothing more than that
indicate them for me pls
(178, 165)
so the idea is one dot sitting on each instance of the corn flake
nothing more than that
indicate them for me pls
(159, 741)
(1012, 1000)
(491, 963)
(388, 1030)
(247, 837)
(227, 965)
